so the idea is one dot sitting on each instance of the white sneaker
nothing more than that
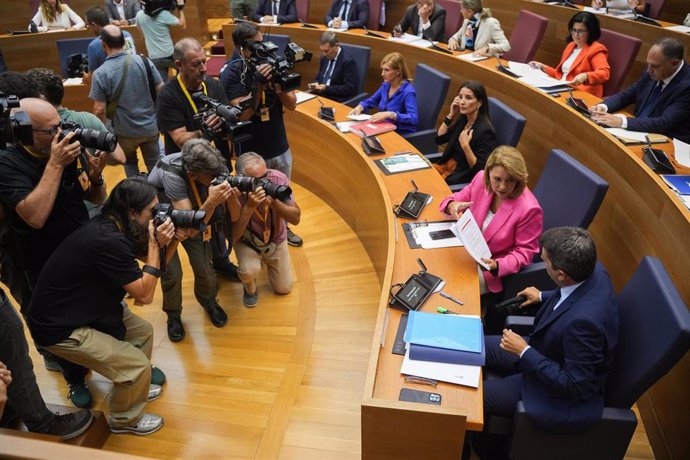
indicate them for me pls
(147, 424)
(155, 392)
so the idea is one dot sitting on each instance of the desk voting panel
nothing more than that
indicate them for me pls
(640, 215)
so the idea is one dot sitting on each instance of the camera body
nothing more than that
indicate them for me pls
(249, 184)
(238, 131)
(76, 65)
(13, 127)
(181, 218)
(89, 138)
(153, 7)
(267, 53)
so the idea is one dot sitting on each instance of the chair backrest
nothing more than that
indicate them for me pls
(622, 53)
(527, 34)
(69, 46)
(654, 333)
(569, 193)
(303, 10)
(374, 14)
(431, 87)
(280, 41)
(654, 7)
(361, 55)
(214, 64)
(507, 122)
(453, 17)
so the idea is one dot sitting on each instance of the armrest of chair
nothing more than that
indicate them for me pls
(523, 325)
(353, 101)
(532, 275)
(424, 141)
(457, 187)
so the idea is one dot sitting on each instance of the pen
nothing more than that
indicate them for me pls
(445, 311)
(451, 298)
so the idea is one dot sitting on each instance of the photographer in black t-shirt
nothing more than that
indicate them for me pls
(269, 138)
(76, 311)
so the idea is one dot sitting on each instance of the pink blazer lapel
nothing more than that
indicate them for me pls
(499, 220)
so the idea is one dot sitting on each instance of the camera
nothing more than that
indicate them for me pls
(13, 127)
(181, 218)
(76, 65)
(266, 53)
(89, 138)
(249, 184)
(238, 131)
(153, 7)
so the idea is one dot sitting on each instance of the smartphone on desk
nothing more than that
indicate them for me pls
(441, 235)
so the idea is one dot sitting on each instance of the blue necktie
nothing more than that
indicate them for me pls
(651, 101)
(344, 10)
(329, 71)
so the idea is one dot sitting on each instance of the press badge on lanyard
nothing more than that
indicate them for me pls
(263, 112)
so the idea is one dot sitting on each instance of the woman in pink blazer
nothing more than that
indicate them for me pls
(507, 212)
(585, 62)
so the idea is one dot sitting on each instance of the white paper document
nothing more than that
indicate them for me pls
(303, 96)
(625, 134)
(344, 126)
(471, 57)
(72, 81)
(413, 40)
(682, 152)
(681, 29)
(360, 117)
(470, 234)
(444, 372)
(405, 162)
(535, 77)
(422, 237)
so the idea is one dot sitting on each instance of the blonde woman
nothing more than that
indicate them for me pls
(479, 32)
(396, 99)
(53, 15)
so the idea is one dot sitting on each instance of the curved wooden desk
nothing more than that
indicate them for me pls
(332, 166)
(640, 215)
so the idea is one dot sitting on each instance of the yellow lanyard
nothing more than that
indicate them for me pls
(207, 233)
(186, 93)
(264, 219)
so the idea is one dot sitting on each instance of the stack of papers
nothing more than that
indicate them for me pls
(471, 57)
(401, 163)
(360, 117)
(636, 137)
(412, 40)
(303, 96)
(681, 29)
(468, 231)
(681, 151)
(536, 78)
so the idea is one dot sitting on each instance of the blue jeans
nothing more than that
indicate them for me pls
(23, 395)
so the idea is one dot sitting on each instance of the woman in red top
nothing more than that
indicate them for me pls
(584, 63)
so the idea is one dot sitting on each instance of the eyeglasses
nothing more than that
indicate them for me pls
(578, 31)
(52, 131)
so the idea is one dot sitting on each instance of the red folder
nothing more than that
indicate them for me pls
(367, 128)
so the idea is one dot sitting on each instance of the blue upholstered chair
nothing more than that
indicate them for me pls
(431, 87)
(654, 334)
(527, 34)
(361, 56)
(570, 194)
(69, 46)
(622, 53)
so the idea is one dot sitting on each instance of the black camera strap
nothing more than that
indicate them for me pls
(180, 172)
(111, 106)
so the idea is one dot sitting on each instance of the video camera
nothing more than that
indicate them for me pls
(238, 131)
(76, 65)
(153, 7)
(13, 127)
(89, 138)
(181, 218)
(250, 184)
(266, 53)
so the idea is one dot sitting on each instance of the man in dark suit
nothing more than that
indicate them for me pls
(560, 371)
(337, 78)
(276, 12)
(661, 96)
(348, 14)
(426, 19)
(123, 18)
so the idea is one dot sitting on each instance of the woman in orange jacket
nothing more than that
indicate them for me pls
(584, 63)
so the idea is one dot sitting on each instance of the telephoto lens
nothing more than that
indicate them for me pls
(89, 138)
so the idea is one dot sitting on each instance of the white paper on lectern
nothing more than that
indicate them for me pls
(422, 237)
(444, 372)
(681, 150)
(303, 96)
(468, 231)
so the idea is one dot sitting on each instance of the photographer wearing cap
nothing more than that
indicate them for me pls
(184, 178)
(260, 232)
(77, 313)
(266, 109)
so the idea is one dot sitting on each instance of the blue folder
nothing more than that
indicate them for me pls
(678, 182)
(451, 332)
(443, 355)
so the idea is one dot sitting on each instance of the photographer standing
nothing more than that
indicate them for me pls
(242, 79)
(43, 189)
(184, 179)
(155, 21)
(76, 311)
(261, 231)
(122, 87)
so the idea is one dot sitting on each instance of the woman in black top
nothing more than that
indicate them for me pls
(469, 135)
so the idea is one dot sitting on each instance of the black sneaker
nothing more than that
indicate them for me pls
(79, 394)
(227, 270)
(71, 425)
(292, 239)
(217, 315)
(175, 329)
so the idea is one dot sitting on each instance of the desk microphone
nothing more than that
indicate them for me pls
(307, 25)
(435, 47)
(503, 69)
(421, 264)
(644, 19)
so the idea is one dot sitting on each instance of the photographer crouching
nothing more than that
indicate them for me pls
(76, 311)
(260, 232)
(184, 180)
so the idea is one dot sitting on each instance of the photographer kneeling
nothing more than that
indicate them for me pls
(76, 311)
(260, 233)
(184, 179)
